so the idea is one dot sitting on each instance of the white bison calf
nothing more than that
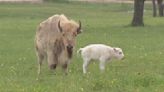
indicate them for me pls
(100, 52)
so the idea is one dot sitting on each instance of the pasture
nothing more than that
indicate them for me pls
(141, 71)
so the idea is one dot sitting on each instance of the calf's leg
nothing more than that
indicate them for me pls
(102, 64)
(85, 65)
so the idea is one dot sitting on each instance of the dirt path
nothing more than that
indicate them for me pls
(33, 1)
(96, 1)
(110, 1)
(107, 1)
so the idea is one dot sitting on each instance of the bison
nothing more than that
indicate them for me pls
(55, 40)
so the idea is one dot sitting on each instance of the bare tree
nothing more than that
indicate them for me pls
(154, 8)
(160, 8)
(138, 13)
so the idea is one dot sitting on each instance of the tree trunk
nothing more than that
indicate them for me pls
(160, 8)
(154, 8)
(138, 13)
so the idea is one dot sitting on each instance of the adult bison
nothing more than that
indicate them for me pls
(55, 40)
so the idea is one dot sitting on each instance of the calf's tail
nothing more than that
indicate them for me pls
(79, 51)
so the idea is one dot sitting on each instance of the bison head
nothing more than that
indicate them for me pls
(69, 30)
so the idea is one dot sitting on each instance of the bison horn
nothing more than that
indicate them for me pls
(60, 29)
(79, 29)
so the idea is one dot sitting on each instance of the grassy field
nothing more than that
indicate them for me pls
(141, 71)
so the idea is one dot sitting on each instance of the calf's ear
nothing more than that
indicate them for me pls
(60, 28)
(115, 49)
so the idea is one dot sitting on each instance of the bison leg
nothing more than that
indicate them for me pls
(65, 68)
(52, 61)
(53, 66)
(40, 60)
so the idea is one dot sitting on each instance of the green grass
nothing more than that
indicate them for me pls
(141, 71)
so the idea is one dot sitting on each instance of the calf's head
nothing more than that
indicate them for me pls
(118, 53)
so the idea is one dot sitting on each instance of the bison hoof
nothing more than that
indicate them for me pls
(53, 66)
